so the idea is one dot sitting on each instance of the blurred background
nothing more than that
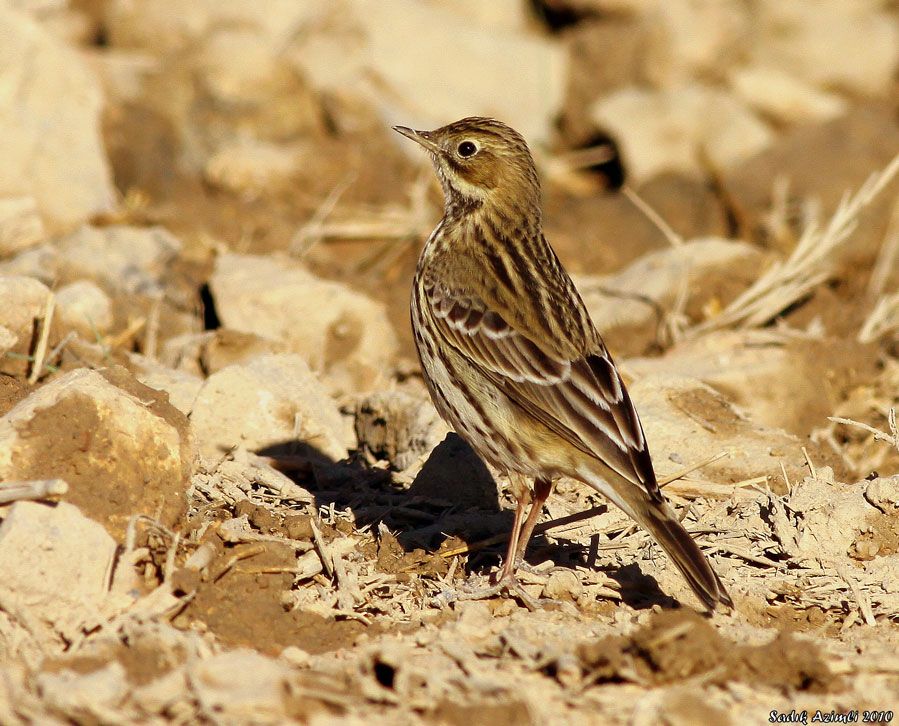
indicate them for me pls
(263, 128)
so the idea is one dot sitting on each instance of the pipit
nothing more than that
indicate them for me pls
(511, 357)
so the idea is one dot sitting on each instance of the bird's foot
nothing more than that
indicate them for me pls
(508, 585)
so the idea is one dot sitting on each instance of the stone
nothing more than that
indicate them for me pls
(851, 46)
(166, 26)
(760, 369)
(96, 692)
(783, 97)
(181, 387)
(121, 446)
(39, 263)
(342, 334)
(658, 277)
(684, 39)
(84, 307)
(22, 301)
(353, 45)
(56, 562)
(257, 696)
(8, 340)
(398, 427)
(270, 401)
(666, 130)
(50, 112)
(563, 585)
(252, 168)
(121, 258)
(687, 421)
(21, 226)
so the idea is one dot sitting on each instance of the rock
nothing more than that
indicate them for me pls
(341, 333)
(273, 400)
(782, 97)
(122, 448)
(829, 43)
(38, 262)
(668, 130)
(759, 370)
(21, 225)
(8, 340)
(686, 422)
(398, 427)
(50, 112)
(123, 259)
(628, 304)
(684, 39)
(506, 15)
(563, 585)
(354, 46)
(252, 168)
(830, 517)
(258, 695)
(155, 25)
(96, 692)
(181, 387)
(85, 307)
(22, 301)
(56, 562)
(224, 347)
(883, 493)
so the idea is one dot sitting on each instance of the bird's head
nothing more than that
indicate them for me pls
(480, 161)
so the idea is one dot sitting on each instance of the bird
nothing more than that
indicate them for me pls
(511, 357)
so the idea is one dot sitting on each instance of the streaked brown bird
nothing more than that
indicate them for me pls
(510, 355)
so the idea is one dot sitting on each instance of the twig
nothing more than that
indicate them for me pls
(891, 438)
(864, 604)
(151, 337)
(690, 469)
(322, 549)
(241, 553)
(885, 265)
(127, 334)
(883, 318)
(307, 235)
(673, 237)
(743, 554)
(40, 351)
(811, 466)
(14, 491)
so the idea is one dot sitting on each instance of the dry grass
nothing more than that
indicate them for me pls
(811, 263)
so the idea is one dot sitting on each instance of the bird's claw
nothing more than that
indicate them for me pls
(506, 586)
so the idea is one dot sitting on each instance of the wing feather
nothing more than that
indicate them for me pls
(582, 399)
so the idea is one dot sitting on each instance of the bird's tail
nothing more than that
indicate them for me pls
(659, 520)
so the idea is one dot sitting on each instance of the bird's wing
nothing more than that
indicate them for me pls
(579, 396)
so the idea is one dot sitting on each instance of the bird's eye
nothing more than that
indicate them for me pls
(467, 148)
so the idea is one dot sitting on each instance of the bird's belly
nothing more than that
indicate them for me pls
(478, 411)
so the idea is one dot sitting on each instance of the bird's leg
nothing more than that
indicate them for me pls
(507, 572)
(505, 581)
(542, 489)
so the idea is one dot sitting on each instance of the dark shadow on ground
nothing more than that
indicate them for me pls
(453, 496)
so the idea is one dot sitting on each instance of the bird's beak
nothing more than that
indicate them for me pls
(425, 138)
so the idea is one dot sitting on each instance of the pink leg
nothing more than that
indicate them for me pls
(509, 565)
(542, 489)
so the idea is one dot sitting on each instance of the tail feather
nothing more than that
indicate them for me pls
(686, 555)
(659, 520)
